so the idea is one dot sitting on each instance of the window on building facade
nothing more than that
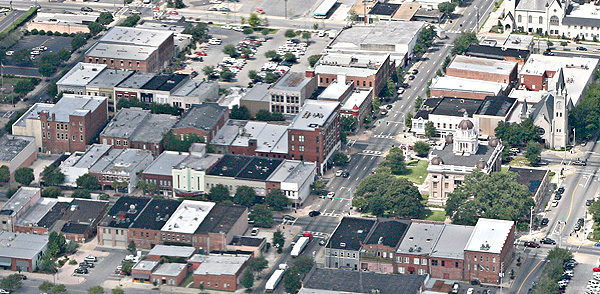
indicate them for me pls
(301, 148)
(406, 260)
(519, 18)
(541, 20)
(530, 19)
(400, 270)
(554, 20)
(434, 262)
(416, 261)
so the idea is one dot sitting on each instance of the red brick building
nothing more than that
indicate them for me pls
(67, 126)
(455, 87)
(447, 260)
(483, 69)
(170, 274)
(315, 133)
(145, 230)
(203, 120)
(133, 48)
(220, 272)
(378, 249)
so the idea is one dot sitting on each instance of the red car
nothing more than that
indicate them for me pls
(201, 53)
(596, 269)
(259, 10)
(404, 147)
(532, 244)
(173, 12)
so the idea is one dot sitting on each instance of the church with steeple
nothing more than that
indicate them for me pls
(461, 154)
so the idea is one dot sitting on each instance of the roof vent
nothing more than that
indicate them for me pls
(342, 245)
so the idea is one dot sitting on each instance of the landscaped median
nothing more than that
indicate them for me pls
(18, 22)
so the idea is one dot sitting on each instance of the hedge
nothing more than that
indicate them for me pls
(18, 22)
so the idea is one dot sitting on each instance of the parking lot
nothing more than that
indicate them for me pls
(215, 55)
(52, 43)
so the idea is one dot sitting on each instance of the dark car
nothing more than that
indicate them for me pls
(548, 241)
(224, 9)
(87, 9)
(287, 63)
(557, 196)
(404, 85)
(389, 106)
(581, 48)
(532, 244)
(212, 9)
(23, 277)
(544, 221)
(415, 71)
(548, 53)
(411, 77)
(589, 202)
(81, 270)
(561, 190)
(314, 213)
(345, 174)
(86, 264)
(289, 217)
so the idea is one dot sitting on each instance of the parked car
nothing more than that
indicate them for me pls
(9, 53)
(289, 217)
(389, 106)
(548, 53)
(411, 77)
(215, 41)
(212, 9)
(400, 91)
(557, 196)
(470, 291)
(201, 53)
(86, 264)
(544, 221)
(415, 71)
(579, 163)
(555, 203)
(254, 231)
(173, 12)
(581, 48)
(224, 9)
(81, 270)
(90, 258)
(314, 213)
(589, 202)
(23, 277)
(331, 194)
(345, 174)
(338, 173)
(531, 244)
(455, 288)
(87, 9)
(561, 190)
(4, 291)
(548, 241)
(259, 10)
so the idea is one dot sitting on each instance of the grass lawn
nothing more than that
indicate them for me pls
(188, 279)
(437, 215)
(417, 174)
(504, 168)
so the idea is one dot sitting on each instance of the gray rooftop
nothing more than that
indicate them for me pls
(335, 90)
(120, 161)
(483, 65)
(293, 171)
(120, 51)
(21, 246)
(221, 264)
(154, 128)
(257, 93)
(36, 212)
(146, 265)
(81, 74)
(88, 158)
(533, 5)
(452, 241)
(383, 33)
(201, 116)
(16, 203)
(269, 137)
(170, 269)
(136, 81)
(334, 281)
(420, 238)
(13, 145)
(314, 114)
(350, 65)
(193, 88)
(139, 125)
(65, 19)
(33, 113)
(157, 25)
(172, 251)
(110, 77)
(163, 164)
(69, 104)
(292, 81)
(489, 235)
(197, 162)
(128, 43)
(484, 152)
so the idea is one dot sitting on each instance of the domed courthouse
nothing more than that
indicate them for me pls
(461, 154)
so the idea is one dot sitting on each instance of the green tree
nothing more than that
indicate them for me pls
(317, 186)
(105, 18)
(12, 282)
(533, 152)
(272, 54)
(418, 102)
(246, 53)
(96, 289)
(240, 112)
(230, 50)
(253, 20)
(51, 192)
(257, 264)
(253, 76)
(88, 182)
(84, 194)
(248, 280)
(131, 102)
(11, 191)
(160, 108)
(209, 71)
(47, 265)
(496, 196)
(199, 32)
(313, 59)
(463, 41)
(340, 159)
(117, 290)
(430, 130)
(262, 215)
(23, 87)
(226, 75)
(265, 115)
(245, 196)
(176, 143)
(290, 33)
(270, 78)
(130, 21)
(585, 117)
(447, 7)
(126, 267)
(24, 176)
(289, 56)
(395, 161)
(421, 148)
(306, 36)
(383, 194)
(131, 247)
(78, 41)
(95, 28)
(278, 240)
(348, 123)
(291, 280)
(408, 120)
(45, 286)
(52, 176)
(4, 174)
(56, 244)
(218, 193)
(21, 57)
(517, 134)
(175, 4)
(277, 200)
(304, 263)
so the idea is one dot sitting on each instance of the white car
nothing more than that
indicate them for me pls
(2, 291)
(555, 203)
(597, 276)
(339, 173)
(9, 53)
(470, 291)
(215, 41)
(331, 194)
(35, 52)
(322, 34)
(91, 258)
(254, 231)
(227, 27)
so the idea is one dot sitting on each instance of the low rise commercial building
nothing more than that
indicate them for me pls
(379, 247)
(78, 77)
(62, 22)
(332, 281)
(256, 245)
(220, 272)
(194, 91)
(137, 128)
(171, 274)
(159, 252)
(256, 99)
(113, 229)
(104, 84)
(67, 126)
(188, 177)
(537, 180)
(343, 248)
(500, 53)
(203, 120)
(141, 272)
(483, 69)
(145, 229)
(252, 138)
(160, 172)
(32, 220)
(22, 252)
(18, 205)
(447, 86)
(80, 220)
(17, 152)
(288, 94)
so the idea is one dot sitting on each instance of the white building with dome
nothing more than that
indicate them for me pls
(461, 154)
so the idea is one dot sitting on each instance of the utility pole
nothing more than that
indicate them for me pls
(531, 220)
(501, 275)
(285, 2)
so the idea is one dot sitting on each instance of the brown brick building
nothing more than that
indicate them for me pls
(477, 68)
(67, 126)
(203, 120)
(219, 272)
(145, 230)
(132, 48)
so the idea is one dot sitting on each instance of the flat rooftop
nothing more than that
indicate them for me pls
(88, 158)
(489, 235)
(193, 87)
(292, 171)
(199, 163)
(329, 281)
(269, 137)
(466, 85)
(350, 233)
(390, 33)
(170, 269)
(497, 106)
(388, 232)
(457, 107)
(314, 114)
(532, 178)
(188, 217)
(420, 238)
(135, 36)
(172, 251)
(163, 164)
(13, 145)
(136, 81)
(221, 219)
(356, 99)
(36, 212)
(124, 212)
(291, 81)
(125, 123)
(165, 82)
(335, 90)
(109, 78)
(69, 104)
(21, 246)
(81, 74)
(146, 265)
(16, 203)
(483, 65)
(65, 19)
(452, 241)
(260, 92)
(201, 116)
(245, 167)
(121, 161)
(387, 9)
(156, 214)
(221, 264)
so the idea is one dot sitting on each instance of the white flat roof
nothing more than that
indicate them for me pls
(484, 65)
(335, 90)
(531, 97)
(81, 74)
(188, 216)
(314, 114)
(221, 264)
(466, 85)
(356, 98)
(489, 235)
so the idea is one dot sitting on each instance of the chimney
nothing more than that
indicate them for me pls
(310, 73)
